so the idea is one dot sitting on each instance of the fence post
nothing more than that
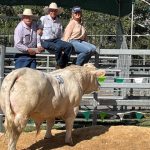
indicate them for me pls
(95, 104)
(1, 123)
(2, 57)
(97, 60)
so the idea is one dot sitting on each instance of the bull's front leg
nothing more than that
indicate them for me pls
(69, 120)
(50, 122)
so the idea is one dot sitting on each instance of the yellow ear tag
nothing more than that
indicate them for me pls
(101, 79)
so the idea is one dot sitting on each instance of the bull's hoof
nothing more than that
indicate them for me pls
(70, 143)
(48, 137)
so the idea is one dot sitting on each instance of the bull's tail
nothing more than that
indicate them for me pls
(9, 83)
(12, 129)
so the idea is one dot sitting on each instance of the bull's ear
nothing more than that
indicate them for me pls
(99, 72)
(90, 65)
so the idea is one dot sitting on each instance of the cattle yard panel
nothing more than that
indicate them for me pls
(110, 93)
(2, 54)
(1, 122)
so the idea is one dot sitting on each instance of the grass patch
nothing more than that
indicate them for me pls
(32, 127)
(144, 123)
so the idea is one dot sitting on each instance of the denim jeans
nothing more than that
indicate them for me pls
(25, 60)
(61, 48)
(84, 51)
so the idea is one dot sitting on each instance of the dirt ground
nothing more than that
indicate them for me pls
(89, 138)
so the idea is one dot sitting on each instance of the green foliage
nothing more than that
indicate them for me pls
(98, 25)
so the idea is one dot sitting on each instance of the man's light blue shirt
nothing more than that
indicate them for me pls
(52, 29)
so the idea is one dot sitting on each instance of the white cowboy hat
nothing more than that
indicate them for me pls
(54, 6)
(27, 12)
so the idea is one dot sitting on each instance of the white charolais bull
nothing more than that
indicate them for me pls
(28, 93)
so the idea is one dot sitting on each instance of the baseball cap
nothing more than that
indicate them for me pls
(76, 9)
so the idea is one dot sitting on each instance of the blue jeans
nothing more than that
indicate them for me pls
(84, 51)
(61, 48)
(25, 60)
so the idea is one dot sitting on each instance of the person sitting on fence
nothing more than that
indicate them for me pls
(51, 37)
(25, 39)
(75, 33)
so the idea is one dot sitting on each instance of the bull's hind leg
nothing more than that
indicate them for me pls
(12, 134)
(14, 129)
(50, 123)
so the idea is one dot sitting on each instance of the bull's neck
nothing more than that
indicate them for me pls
(79, 82)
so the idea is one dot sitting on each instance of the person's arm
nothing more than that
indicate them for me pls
(39, 34)
(68, 30)
(38, 40)
(61, 32)
(39, 47)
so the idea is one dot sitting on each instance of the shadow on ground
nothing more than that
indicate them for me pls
(78, 135)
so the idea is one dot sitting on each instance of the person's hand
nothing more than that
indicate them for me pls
(40, 32)
(31, 51)
(40, 49)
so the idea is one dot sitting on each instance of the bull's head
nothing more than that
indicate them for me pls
(91, 83)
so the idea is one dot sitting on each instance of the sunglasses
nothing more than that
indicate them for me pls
(53, 10)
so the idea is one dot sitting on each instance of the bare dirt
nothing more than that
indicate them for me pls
(89, 138)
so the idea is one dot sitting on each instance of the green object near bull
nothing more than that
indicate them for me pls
(86, 114)
(103, 115)
(101, 79)
(139, 115)
(119, 80)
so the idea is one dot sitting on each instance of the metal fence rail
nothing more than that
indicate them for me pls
(124, 51)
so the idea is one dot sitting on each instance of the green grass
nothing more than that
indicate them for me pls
(31, 127)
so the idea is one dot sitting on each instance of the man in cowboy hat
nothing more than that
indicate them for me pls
(51, 37)
(25, 39)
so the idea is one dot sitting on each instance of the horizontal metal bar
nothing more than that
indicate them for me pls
(101, 51)
(12, 50)
(89, 103)
(103, 97)
(126, 102)
(126, 85)
(112, 70)
(124, 52)
(13, 67)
